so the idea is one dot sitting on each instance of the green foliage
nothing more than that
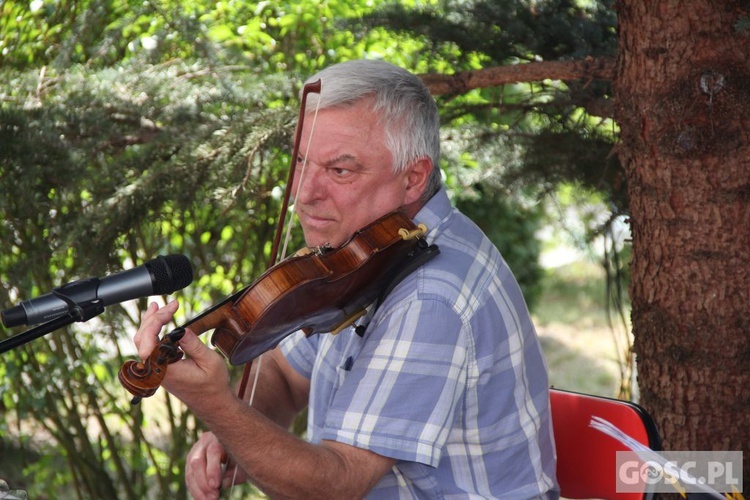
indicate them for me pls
(269, 37)
(504, 31)
(529, 138)
(105, 168)
(558, 132)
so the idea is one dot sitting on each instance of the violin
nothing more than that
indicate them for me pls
(316, 290)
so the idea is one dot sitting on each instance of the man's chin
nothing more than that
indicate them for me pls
(315, 240)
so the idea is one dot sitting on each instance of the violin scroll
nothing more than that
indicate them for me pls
(143, 378)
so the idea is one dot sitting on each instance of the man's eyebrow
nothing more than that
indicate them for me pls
(342, 158)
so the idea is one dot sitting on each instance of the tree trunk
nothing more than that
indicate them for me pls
(683, 104)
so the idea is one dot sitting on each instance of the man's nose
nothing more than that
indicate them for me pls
(307, 185)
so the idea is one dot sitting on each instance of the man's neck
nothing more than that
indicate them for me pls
(412, 208)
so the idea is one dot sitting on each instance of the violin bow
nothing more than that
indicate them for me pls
(313, 87)
(307, 89)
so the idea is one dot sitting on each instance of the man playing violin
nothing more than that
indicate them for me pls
(446, 392)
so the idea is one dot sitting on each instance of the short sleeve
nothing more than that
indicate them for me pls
(300, 351)
(400, 397)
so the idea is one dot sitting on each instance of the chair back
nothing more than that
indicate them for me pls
(586, 457)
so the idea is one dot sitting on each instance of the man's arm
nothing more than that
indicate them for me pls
(256, 437)
(283, 465)
(280, 393)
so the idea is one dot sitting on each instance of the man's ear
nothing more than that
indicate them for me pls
(417, 177)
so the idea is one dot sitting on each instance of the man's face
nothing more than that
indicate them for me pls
(348, 179)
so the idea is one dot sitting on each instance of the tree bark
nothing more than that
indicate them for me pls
(682, 93)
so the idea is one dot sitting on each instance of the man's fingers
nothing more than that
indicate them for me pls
(152, 307)
(153, 321)
(194, 348)
(203, 468)
(215, 453)
(201, 378)
(215, 457)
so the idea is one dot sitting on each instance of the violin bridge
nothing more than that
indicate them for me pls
(416, 233)
(319, 250)
(348, 321)
(303, 251)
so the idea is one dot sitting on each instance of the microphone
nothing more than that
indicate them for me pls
(159, 276)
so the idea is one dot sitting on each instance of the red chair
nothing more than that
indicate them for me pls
(586, 457)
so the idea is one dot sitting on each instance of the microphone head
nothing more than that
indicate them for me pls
(170, 273)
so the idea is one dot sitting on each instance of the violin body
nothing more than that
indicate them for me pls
(317, 292)
(322, 291)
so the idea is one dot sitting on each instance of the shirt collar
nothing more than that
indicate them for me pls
(434, 212)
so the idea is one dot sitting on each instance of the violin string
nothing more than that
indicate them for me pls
(287, 237)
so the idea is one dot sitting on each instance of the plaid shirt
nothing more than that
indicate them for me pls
(449, 378)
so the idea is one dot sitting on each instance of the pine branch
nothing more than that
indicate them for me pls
(582, 69)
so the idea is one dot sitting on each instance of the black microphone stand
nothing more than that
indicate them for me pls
(76, 313)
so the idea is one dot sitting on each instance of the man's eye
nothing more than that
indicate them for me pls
(340, 171)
